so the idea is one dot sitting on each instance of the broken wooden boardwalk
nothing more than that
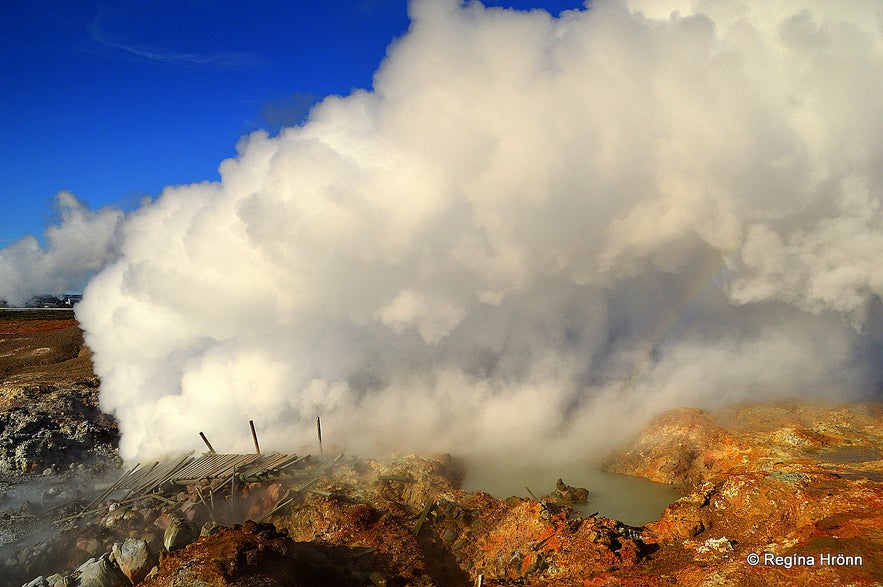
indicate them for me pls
(157, 479)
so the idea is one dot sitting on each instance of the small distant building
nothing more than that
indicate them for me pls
(72, 300)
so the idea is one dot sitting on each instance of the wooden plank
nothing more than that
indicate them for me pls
(164, 475)
(103, 495)
(263, 468)
(215, 465)
(422, 517)
(318, 492)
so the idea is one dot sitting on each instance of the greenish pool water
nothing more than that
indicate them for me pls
(632, 500)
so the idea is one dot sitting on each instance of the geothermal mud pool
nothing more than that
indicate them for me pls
(632, 500)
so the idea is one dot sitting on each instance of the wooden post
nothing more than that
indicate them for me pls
(202, 499)
(207, 443)
(233, 492)
(254, 437)
(319, 433)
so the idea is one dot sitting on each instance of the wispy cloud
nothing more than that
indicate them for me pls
(219, 59)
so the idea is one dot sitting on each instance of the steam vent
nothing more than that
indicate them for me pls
(800, 484)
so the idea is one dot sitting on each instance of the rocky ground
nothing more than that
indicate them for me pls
(49, 416)
(798, 485)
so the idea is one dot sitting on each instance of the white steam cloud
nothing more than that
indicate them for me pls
(532, 234)
(80, 244)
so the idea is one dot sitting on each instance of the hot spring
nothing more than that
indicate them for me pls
(632, 500)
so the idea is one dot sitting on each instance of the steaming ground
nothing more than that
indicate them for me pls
(532, 234)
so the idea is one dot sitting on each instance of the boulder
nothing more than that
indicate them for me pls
(100, 572)
(179, 534)
(208, 529)
(134, 558)
(565, 494)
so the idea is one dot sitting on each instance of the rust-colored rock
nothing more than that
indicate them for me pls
(134, 558)
(565, 494)
(252, 554)
(796, 484)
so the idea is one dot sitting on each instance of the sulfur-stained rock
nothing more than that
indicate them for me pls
(710, 549)
(777, 479)
(671, 448)
(687, 517)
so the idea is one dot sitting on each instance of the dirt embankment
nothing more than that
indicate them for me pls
(41, 346)
(49, 416)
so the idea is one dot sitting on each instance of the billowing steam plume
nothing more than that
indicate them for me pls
(79, 245)
(532, 234)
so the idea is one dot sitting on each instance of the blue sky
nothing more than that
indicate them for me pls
(115, 100)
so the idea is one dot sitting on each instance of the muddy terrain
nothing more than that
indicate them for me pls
(775, 494)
